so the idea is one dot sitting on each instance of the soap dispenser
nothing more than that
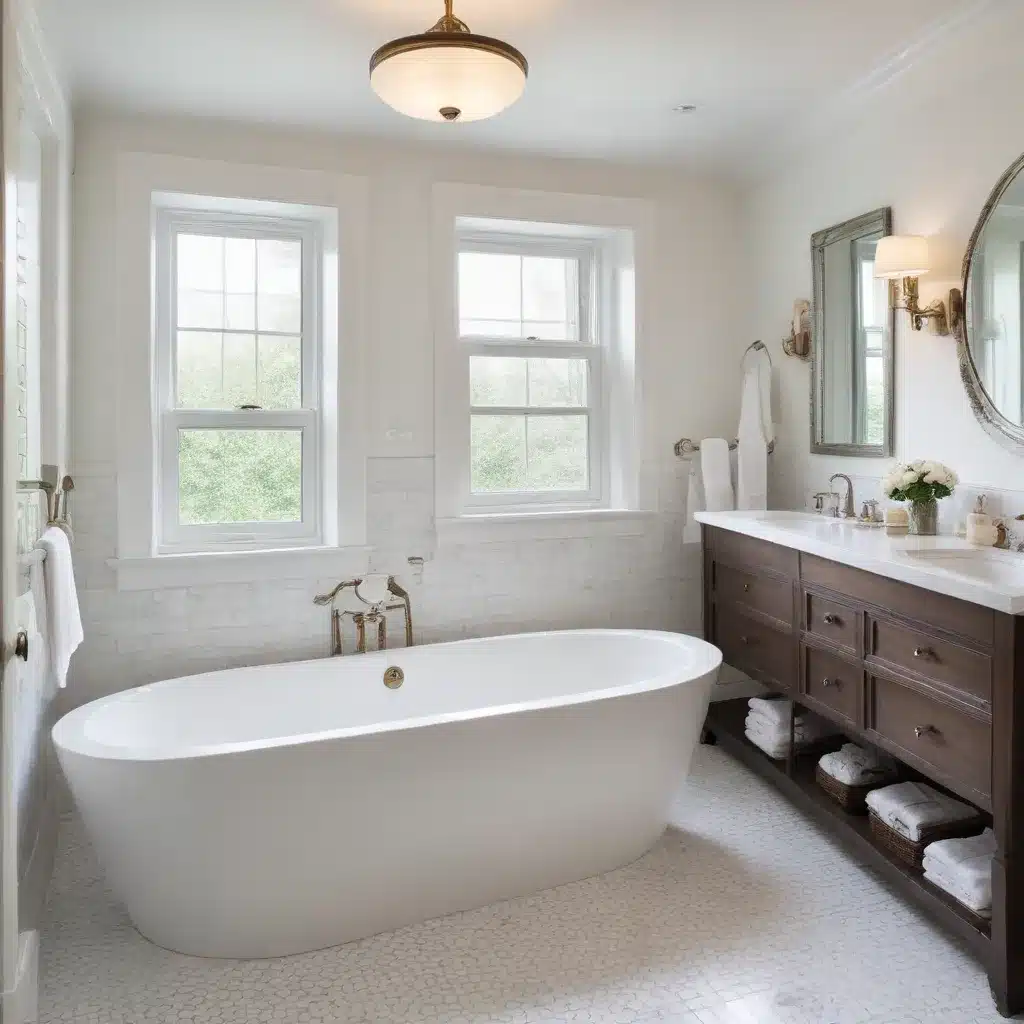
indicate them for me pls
(980, 529)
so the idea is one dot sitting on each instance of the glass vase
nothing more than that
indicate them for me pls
(924, 517)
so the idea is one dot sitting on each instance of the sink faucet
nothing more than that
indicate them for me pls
(848, 511)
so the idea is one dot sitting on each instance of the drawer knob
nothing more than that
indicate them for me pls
(923, 652)
(831, 620)
(746, 588)
(826, 682)
(744, 639)
(925, 730)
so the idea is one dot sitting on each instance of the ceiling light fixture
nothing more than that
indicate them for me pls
(448, 73)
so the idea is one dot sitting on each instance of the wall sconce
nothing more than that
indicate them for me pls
(906, 258)
(798, 342)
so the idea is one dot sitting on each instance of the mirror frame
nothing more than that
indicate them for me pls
(819, 240)
(1002, 430)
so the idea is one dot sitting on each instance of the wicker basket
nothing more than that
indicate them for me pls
(852, 799)
(912, 853)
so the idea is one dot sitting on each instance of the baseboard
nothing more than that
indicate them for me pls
(21, 1004)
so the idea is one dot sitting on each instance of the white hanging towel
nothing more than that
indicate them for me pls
(752, 462)
(717, 475)
(63, 617)
(694, 502)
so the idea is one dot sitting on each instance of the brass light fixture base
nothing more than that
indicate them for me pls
(449, 30)
(946, 316)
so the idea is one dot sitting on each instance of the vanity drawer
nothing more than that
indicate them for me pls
(767, 594)
(833, 683)
(901, 599)
(749, 553)
(945, 662)
(762, 652)
(831, 620)
(935, 735)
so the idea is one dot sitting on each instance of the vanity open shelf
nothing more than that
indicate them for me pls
(795, 778)
(923, 664)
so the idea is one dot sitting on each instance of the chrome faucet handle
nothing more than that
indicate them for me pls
(830, 506)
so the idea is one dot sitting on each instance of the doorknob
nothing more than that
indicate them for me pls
(21, 645)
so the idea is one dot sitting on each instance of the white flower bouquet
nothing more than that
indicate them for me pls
(919, 481)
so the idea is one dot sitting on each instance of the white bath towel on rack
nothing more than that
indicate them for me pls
(63, 617)
(694, 501)
(752, 470)
(716, 472)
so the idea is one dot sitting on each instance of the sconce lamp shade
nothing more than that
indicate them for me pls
(902, 256)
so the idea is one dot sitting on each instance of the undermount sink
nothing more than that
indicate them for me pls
(983, 565)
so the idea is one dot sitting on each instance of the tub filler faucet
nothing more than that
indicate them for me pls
(375, 615)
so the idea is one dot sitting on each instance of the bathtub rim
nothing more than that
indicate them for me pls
(68, 736)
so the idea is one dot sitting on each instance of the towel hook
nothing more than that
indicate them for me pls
(756, 346)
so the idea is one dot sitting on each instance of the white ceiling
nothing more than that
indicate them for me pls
(604, 74)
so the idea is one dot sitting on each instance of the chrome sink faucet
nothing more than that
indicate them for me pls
(849, 508)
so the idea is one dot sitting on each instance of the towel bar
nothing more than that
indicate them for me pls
(685, 448)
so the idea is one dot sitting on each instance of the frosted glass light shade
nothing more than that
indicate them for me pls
(902, 256)
(465, 78)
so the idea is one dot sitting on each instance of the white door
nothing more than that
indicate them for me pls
(24, 515)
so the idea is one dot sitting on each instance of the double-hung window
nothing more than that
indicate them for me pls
(528, 331)
(238, 394)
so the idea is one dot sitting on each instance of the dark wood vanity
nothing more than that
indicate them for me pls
(936, 681)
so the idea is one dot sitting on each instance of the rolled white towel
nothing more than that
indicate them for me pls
(908, 807)
(981, 906)
(802, 733)
(777, 750)
(770, 727)
(778, 709)
(855, 766)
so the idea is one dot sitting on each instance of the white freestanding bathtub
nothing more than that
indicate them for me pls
(266, 811)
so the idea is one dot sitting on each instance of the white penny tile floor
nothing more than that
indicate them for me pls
(744, 913)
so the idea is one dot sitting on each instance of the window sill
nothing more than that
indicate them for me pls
(484, 528)
(162, 571)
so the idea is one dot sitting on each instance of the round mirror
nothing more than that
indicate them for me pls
(992, 343)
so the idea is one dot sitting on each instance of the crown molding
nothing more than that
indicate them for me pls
(776, 148)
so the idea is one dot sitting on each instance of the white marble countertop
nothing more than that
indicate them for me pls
(944, 564)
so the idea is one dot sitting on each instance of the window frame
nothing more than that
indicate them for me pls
(172, 536)
(590, 347)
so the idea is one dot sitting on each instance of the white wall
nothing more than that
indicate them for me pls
(643, 578)
(932, 147)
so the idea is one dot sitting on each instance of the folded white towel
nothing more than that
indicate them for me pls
(968, 860)
(780, 730)
(909, 807)
(64, 620)
(856, 766)
(982, 906)
(976, 892)
(777, 750)
(716, 471)
(808, 728)
(779, 709)
(694, 502)
(752, 454)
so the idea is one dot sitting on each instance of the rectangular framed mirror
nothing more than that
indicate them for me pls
(852, 372)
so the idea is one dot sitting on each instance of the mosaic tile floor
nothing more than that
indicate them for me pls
(742, 914)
